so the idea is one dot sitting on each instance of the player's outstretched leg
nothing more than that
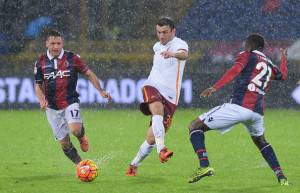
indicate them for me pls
(159, 135)
(269, 155)
(197, 139)
(144, 151)
(69, 150)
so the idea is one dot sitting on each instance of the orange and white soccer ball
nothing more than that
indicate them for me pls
(87, 170)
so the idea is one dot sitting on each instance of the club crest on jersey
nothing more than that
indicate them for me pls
(60, 74)
(253, 88)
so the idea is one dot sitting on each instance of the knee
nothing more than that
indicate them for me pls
(151, 140)
(156, 108)
(65, 143)
(191, 126)
(196, 124)
(75, 128)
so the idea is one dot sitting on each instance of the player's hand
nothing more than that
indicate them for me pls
(106, 95)
(298, 82)
(167, 54)
(283, 53)
(43, 103)
(207, 92)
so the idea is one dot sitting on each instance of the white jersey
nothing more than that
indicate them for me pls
(166, 74)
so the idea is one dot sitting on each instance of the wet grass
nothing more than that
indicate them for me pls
(31, 160)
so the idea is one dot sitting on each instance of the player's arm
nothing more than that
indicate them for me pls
(281, 73)
(39, 91)
(180, 54)
(82, 68)
(38, 87)
(95, 81)
(233, 72)
(226, 78)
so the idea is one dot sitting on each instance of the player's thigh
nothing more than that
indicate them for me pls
(156, 108)
(153, 101)
(197, 124)
(169, 110)
(255, 124)
(58, 123)
(75, 127)
(222, 117)
(73, 117)
(72, 114)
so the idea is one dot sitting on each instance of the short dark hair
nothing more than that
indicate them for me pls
(166, 21)
(256, 42)
(54, 33)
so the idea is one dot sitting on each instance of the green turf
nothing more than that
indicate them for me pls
(32, 162)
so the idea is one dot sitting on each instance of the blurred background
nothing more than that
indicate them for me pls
(115, 38)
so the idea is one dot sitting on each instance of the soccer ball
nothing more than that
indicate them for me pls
(87, 170)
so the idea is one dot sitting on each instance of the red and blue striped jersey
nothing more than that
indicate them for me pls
(59, 78)
(254, 72)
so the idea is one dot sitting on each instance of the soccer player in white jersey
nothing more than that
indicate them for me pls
(161, 91)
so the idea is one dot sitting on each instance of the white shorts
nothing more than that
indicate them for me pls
(223, 117)
(59, 119)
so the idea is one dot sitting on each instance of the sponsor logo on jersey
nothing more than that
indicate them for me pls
(59, 74)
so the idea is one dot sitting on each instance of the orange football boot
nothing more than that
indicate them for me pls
(164, 155)
(84, 143)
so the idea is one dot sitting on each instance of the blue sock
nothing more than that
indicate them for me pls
(197, 140)
(270, 156)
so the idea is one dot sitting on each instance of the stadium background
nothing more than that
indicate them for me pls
(115, 38)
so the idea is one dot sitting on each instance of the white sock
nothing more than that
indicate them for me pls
(158, 131)
(144, 151)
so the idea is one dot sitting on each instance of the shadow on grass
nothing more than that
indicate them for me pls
(34, 178)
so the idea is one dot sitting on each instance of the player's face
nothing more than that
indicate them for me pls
(55, 45)
(165, 33)
(247, 46)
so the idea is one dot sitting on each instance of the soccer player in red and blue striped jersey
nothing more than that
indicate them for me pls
(253, 72)
(56, 74)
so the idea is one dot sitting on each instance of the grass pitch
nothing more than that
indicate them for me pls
(32, 161)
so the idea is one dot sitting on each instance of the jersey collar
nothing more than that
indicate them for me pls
(169, 42)
(263, 55)
(60, 55)
(259, 53)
